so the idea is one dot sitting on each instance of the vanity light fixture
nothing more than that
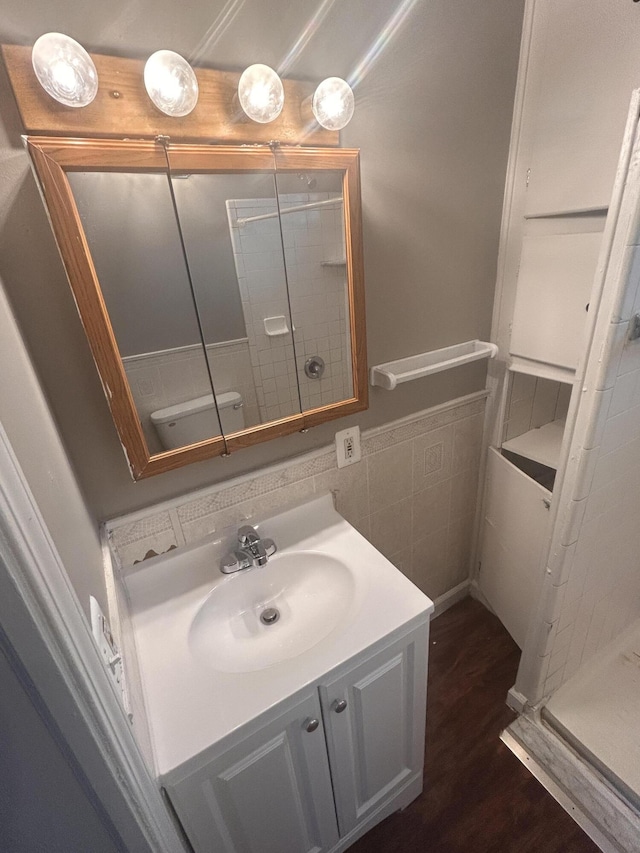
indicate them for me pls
(171, 83)
(333, 103)
(261, 93)
(64, 70)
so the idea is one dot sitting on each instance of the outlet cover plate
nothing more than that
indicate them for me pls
(109, 652)
(348, 446)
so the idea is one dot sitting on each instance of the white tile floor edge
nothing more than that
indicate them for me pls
(578, 788)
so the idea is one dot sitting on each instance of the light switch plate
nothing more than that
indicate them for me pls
(109, 652)
(348, 446)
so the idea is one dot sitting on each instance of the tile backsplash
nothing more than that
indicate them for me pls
(413, 496)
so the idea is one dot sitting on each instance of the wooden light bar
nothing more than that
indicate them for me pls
(122, 107)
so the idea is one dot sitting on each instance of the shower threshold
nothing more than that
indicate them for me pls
(597, 713)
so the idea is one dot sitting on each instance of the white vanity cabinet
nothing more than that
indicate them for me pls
(376, 744)
(322, 769)
(268, 793)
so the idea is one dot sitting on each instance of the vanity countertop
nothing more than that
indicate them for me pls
(189, 703)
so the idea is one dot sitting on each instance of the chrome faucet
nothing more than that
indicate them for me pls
(253, 551)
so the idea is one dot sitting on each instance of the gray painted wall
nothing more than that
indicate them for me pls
(432, 120)
(43, 805)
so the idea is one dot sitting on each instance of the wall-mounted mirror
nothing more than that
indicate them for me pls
(221, 288)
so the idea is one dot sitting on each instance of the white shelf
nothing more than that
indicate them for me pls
(542, 445)
(393, 373)
(541, 370)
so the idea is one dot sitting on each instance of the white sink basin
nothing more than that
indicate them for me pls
(311, 592)
(207, 663)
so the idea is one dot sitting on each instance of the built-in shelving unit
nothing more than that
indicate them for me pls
(393, 373)
(542, 445)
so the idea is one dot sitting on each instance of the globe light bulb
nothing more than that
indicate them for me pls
(171, 83)
(261, 93)
(64, 70)
(333, 103)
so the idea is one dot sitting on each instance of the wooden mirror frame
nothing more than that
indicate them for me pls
(53, 158)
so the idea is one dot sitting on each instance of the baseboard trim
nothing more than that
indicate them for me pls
(453, 596)
(476, 592)
(517, 701)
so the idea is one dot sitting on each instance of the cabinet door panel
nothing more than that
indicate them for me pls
(377, 743)
(554, 287)
(588, 68)
(515, 530)
(268, 794)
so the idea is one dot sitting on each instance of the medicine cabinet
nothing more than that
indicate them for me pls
(220, 287)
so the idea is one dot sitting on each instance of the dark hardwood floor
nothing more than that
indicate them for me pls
(478, 798)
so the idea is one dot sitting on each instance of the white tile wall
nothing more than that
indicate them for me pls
(316, 306)
(597, 570)
(413, 495)
(533, 402)
(257, 251)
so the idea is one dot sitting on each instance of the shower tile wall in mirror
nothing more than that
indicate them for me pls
(221, 289)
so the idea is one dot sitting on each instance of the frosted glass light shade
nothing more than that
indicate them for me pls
(171, 83)
(261, 93)
(64, 69)
(333, 103)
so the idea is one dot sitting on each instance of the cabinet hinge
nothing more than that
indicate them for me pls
(528, 177)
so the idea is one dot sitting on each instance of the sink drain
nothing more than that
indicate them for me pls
(269, 616)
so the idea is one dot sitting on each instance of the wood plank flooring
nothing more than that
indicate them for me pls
(478, 798)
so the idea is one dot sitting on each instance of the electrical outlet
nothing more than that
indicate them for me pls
(109, 652)
(348, 446)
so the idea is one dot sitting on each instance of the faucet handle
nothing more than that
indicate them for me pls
(230, 563)
(270, 547)
(247, 535)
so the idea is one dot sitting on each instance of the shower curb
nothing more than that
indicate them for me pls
(590, 800)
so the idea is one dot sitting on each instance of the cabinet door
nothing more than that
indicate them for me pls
(376, 743)
(588, 60)
(270, 793)
(554, 287)
(515, 530)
